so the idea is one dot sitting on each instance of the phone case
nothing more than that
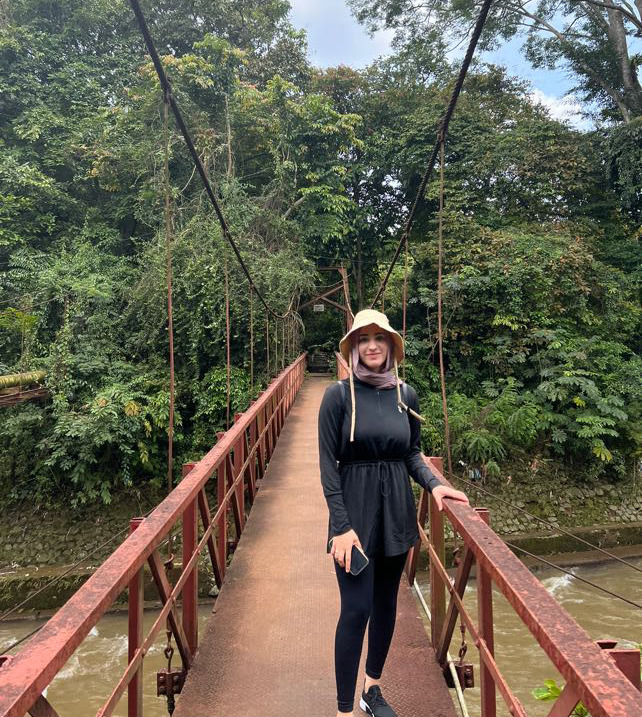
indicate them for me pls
(358, 559)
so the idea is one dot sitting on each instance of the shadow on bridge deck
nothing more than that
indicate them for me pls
(268, 647)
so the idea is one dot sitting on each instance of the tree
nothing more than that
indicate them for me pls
(592, 38)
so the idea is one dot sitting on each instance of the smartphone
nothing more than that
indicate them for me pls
(358, 559)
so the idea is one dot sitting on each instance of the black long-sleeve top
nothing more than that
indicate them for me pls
(365, 483)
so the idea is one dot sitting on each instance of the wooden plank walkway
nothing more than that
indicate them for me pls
(268, 649)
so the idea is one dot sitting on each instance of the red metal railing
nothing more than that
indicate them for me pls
(238, 460)
(605, 679)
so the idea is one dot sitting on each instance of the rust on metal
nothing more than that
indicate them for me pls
(165, 592)
(515, 706)
(488, 698)
(169, 682)
(43, 656)
(450, 620)
(274, 621)
(135, 634)
(437, 583)
(601, 686)
(190, 591)
(206, 519)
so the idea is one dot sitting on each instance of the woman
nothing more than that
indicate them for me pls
(370, 425)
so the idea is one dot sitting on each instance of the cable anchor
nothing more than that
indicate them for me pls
(464, 670)
(169, 682)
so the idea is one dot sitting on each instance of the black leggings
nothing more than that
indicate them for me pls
(371, 595)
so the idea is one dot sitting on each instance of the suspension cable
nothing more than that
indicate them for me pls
(550, 525)
(440, 331)
(66, 572)
(251, 341)
(228, 361)
(267, 345)
(442, 131)
(577, 577)
(404, 302)
(167, 89)
(169, 239)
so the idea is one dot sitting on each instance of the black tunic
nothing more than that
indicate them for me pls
(368, 490)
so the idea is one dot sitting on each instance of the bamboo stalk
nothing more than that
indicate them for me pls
(21, 379)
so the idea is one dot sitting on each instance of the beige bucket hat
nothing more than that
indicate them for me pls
(365, 318)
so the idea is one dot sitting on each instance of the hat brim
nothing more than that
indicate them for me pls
(365, 318)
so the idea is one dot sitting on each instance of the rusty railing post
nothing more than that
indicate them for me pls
(239, 460)
(221, 527)
(253, 449)
(488, 692)
(190, 590)
(135, 634)
(260, 425)
(281, 408)
(627, 660)
(437, 587)
(269, 422)
(415, 550)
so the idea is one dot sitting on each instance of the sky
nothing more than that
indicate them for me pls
(335, 37)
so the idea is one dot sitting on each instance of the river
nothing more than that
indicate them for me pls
(521, 660)
(86, 680)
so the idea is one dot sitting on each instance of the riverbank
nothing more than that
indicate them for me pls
(39, 546)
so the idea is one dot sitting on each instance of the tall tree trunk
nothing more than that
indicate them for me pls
(632, 91)
(569, 47)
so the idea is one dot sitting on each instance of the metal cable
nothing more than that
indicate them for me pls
(63, 574)
(8, 648)
(167, 89)
(577, 577)
(550, 525)
(451, 663)
(442, 131)
(5, 649)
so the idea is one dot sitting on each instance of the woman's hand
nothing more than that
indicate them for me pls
(341, 548)
(444, 491)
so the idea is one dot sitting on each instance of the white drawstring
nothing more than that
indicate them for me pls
(354, 415)
(406, 408)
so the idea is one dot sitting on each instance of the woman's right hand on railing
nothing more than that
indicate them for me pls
(341, 548)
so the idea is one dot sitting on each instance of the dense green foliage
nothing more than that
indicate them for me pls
(542, 263)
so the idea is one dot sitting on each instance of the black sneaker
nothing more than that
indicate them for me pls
(373, 703)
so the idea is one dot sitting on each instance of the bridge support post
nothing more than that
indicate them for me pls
(221, 526)
(252, 447)
(413, 553)
(627, 660)
(239, 460)
(135, 634)
(190, 589)
(488, 696)
(437, 587)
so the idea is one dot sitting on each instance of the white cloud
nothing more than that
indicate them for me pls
(334, 36)
(564, 109)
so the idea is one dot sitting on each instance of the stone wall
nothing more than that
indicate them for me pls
(559, 501)
(63, 536)
(34, 547)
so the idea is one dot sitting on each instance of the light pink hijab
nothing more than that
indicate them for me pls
(385, 379)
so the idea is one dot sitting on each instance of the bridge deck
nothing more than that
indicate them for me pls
(268, 648)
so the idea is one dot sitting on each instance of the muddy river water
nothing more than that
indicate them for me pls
(85, 682)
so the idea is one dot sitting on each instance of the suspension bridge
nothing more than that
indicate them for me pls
(253, 508)
(268, 646)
